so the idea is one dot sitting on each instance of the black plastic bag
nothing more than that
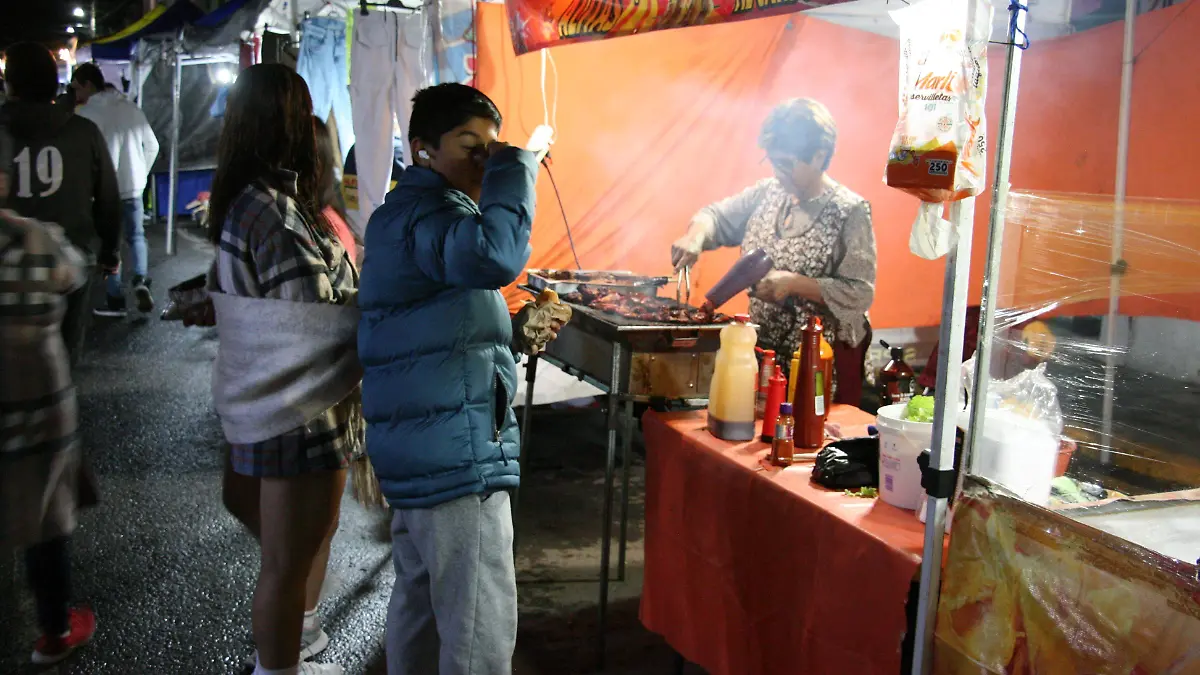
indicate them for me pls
(848, 464)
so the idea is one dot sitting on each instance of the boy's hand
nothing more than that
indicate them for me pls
(495, 147)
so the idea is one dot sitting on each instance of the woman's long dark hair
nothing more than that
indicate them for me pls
(328, 191)
(268, 126)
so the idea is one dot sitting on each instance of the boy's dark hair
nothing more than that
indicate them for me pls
(90, 73)
(31, 72)
(442, 107)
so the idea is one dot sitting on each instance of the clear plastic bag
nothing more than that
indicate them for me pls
(938, 150)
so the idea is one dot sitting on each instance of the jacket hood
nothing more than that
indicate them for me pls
(35, 120)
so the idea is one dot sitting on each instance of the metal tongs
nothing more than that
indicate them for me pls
(683, 285)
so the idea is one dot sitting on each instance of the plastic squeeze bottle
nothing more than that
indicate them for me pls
(747, 271)
(734, 383)
(775, 396)
(809, 405)
(766, 370)
(827, 369)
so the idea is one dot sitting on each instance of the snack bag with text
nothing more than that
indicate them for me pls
(938, 150)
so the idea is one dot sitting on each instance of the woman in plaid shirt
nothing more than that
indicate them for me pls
(272, 246)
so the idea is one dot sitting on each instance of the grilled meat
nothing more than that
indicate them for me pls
(647, 308)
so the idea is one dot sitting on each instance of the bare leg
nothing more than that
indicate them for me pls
(240, 494)
(296, 516)
(316, 575)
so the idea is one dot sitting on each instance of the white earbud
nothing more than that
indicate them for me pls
(423, 154)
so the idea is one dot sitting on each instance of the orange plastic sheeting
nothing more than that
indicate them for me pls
(1026, 590)
(653, 127)
(753, 570)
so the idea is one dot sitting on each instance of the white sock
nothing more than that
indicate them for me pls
(311, 621)
(259, 670)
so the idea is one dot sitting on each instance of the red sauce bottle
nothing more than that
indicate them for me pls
(809, 405)
(776, 393)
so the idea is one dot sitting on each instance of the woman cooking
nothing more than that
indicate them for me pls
(817, 232)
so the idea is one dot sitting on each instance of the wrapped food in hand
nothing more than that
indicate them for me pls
(540, 320)
(938, 150)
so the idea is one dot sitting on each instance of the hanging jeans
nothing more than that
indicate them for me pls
(391, 59)
(322, 64)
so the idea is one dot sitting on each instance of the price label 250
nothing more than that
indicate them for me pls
(939, 167)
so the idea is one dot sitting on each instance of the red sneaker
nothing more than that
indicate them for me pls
(52, 649)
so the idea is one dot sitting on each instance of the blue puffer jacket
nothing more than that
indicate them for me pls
(435, 338)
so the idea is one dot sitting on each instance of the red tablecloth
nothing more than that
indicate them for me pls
(751, 569)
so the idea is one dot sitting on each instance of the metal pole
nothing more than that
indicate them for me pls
(950, 357)
(1118, 235)
(995, 243)
(531, 367)
(626, 461)
(941, 450)
(173, 183)
(614, 421)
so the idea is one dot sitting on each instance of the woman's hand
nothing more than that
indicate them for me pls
(778, 286)
(686, 250)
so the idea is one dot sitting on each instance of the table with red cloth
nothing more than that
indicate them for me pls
(752, 569)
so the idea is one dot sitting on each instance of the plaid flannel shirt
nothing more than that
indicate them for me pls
(268, 249)
(38, 266)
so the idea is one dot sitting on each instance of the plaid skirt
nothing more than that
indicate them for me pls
(324, 444)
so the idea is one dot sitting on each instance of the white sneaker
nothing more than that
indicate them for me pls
(311, 643)
(307, 668)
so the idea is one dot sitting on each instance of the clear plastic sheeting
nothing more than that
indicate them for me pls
(1028, 590)
(1057, 354)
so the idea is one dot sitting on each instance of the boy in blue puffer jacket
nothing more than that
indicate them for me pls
(437, 347)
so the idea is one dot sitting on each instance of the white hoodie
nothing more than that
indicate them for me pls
(131, 141)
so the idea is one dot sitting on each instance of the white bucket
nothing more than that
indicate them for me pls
(900, 444)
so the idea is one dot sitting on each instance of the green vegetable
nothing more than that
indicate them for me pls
(920, 409)
(865, 493)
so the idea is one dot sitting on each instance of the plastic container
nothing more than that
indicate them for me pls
(734, 383)
(782, 447)
(746, 272)
(900, 444)
(827, 368)
(776, 389)
(1017, 452)
(896, 380)
(766, 369)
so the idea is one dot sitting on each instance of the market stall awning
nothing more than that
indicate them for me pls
(161, 20)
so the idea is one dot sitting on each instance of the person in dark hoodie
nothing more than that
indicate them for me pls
(62, 173)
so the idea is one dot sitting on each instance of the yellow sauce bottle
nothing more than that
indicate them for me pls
(734, 385)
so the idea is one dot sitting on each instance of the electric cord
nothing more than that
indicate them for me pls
(562, 209)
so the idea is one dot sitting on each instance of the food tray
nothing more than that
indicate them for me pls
(569, 281)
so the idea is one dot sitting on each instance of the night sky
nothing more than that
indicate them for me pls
(47, 20)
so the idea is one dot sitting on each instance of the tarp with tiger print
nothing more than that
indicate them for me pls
(537, 24)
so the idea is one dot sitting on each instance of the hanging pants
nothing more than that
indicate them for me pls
(391, 59)
(322, 64)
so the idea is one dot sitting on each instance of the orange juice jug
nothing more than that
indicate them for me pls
(734, 385)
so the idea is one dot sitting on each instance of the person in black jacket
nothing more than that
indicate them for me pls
(62, 172)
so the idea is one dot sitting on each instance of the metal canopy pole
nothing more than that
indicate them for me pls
(173, 183)
(991, 275)
(949, 375)
(1118, 235)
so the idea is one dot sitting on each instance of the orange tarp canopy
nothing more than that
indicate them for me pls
(653, 127)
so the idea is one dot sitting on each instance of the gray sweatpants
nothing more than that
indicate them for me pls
(454, 606)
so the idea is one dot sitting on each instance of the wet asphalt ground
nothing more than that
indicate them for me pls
(171, 574)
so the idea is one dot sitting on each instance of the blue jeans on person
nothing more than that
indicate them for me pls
(322, 64)
(135, 236)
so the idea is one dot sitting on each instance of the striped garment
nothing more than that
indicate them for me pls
(40, 459)
(269, 250)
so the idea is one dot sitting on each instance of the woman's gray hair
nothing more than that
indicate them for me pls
(801, 127)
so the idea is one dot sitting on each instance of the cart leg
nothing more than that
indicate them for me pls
(614, 403)
(526, 417)
(626, 452)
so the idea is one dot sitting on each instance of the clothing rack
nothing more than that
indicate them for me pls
(397, 6)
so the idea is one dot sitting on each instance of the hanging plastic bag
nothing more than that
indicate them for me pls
(938, 149)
